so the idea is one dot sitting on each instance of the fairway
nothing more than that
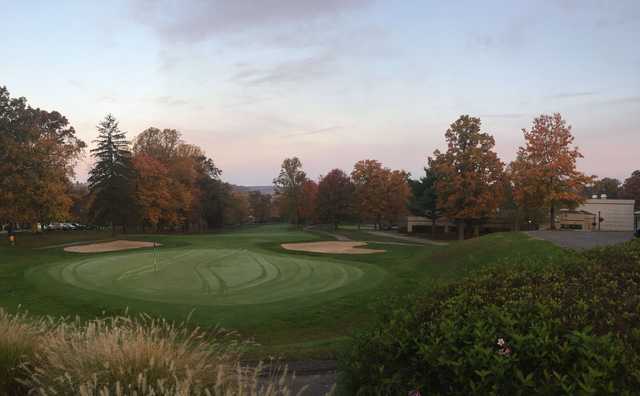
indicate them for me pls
(206, 276)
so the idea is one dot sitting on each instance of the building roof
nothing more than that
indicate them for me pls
(577, 212)
(610, 201)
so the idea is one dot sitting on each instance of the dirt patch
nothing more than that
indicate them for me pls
(335, 247)
(112, 246)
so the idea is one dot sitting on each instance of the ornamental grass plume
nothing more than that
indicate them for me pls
(18, 343)
(127, 356)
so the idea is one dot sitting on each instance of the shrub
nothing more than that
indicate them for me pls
(570, 327)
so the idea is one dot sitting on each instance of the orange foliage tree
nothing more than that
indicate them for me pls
(397, 195)
(544, 173)
(381, 195)
(192, 179)
(38, 150)
(470, 175)
(369, 182)
(152, 190)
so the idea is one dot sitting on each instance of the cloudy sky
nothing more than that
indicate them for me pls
(332, 81)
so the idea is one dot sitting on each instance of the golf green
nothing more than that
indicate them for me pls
(206, 277)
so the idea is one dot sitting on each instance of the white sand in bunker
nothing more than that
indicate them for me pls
(336, 247)
(112, 246)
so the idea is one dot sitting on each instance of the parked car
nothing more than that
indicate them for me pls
(55, 226)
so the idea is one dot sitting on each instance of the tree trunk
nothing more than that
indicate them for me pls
(433, 227)
(516, 226)
(476, 230)
(552, 217)
(460, 227)
(113, 229)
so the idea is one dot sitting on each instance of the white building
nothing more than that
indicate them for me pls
(614, 214)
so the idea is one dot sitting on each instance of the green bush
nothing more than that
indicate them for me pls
(564, 328)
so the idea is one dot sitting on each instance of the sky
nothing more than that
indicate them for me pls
(332, 81)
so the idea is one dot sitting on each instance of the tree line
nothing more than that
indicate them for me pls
(157, 182)
(372, 193)
(468, 183)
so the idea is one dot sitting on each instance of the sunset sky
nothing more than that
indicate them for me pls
(332, 81)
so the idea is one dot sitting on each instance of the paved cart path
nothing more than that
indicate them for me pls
(422, 241)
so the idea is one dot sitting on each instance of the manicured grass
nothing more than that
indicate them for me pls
(297, 304)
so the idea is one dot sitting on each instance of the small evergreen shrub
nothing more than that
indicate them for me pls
(565, 328)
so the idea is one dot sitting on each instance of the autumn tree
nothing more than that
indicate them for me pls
(163, 146)
(197, 194)
(260, 206)
(369, 190)
(111, 178)
(470, 175)
(397, 194)
(152, 191)
(307, 204)
(631, 188)
(381, 194)
(424, 201)
(335, 197)
(544, 174)
(289, 185)
(237, 209)
(38, 149)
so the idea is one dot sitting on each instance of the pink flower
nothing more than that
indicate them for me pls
(504, 349)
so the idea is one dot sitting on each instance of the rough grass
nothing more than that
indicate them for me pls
(125, 356)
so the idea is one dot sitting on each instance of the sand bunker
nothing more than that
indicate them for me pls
(113, 246)
(336, 247)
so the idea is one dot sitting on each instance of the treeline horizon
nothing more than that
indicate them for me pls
(157, 181)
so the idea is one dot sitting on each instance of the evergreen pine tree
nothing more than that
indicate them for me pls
(111, 179)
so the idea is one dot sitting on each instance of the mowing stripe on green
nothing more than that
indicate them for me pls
(207, 276)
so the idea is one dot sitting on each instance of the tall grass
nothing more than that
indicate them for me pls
(19, 338)
(126, 356)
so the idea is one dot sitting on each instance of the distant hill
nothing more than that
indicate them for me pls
(263, 189)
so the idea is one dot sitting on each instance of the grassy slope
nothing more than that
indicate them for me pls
(298, 328)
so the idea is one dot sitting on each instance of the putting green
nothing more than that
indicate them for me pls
(207, 276)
